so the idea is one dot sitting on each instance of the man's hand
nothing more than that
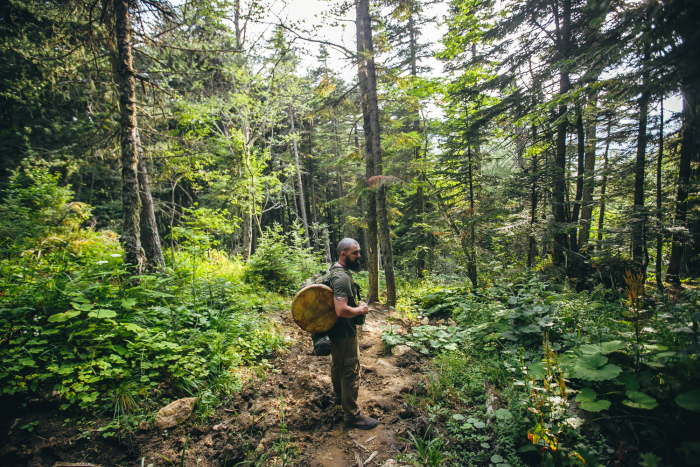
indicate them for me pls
(344, 311)
(363, 309)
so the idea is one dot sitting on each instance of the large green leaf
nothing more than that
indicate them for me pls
(690, 400)
(629, 379)
(545, 321)
(586, 395)
(639, 400)
(537, 370)
(102, 313)
(595, 406)
(65, 316)
(586, 399)
(603, 349)
(594, 368)
(82, 306)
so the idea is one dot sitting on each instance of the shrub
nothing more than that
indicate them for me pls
(281, 264)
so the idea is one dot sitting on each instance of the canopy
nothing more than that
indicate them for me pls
(313, 309)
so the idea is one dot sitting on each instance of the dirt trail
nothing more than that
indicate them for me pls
(248, 425)
(318, 425)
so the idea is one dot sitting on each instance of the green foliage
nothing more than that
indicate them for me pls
(75, 326)
(551, 352)
(35, 208)
(281, 262)
(429, 452)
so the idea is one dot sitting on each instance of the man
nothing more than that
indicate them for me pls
(345, 363)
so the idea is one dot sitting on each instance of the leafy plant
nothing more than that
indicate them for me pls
(281, 264)
(428, 451)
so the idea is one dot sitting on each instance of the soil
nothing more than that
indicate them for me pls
(249, 425)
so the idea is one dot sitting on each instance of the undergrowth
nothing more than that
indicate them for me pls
(533, 376)
(77, 328)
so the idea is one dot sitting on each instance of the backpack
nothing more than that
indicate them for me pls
(322, 341)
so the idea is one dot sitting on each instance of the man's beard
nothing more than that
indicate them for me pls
(353, 265)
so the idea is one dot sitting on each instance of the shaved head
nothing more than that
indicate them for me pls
(349, 254)
(345, 244)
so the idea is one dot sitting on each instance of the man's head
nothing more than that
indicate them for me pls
(349, 254)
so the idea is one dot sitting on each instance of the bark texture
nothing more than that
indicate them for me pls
(131, 204)
(659, 236)
(638, 221)
(363, 24)
(150, 240)
(370, 97)
(559, 190)
(581, 154)
(588, 186)
(684, 171)
(302, 203)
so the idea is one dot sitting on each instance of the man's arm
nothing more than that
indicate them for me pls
(343, 310)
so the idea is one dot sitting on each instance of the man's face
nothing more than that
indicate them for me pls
(352, 258)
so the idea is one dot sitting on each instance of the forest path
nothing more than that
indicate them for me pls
(315, 424)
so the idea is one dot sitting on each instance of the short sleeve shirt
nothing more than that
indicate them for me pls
(341, 283)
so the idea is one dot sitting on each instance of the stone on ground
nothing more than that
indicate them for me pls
(175, 413)
(400, 350)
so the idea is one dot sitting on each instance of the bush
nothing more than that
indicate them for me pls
(281, 264)
(73, 324)
(35, 207)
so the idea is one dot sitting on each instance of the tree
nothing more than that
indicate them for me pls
(131, 203)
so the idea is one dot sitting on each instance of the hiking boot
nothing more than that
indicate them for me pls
(363, 422)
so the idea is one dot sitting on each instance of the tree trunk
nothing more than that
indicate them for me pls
(364, 234)
(532, 244)
(370, 96)
(659, 236)
(581, 153)
(247, 235)
(302, 203)
(363, 23)
(588, 185)
(314, 208)
(684, 171)
(131, 205)
(471, 265)
(639, 216)
(559, 188)
(603, 186)
(149, 228)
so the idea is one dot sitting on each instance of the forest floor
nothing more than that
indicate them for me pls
(287, 413)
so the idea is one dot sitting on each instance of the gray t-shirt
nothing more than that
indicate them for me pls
(342, 285)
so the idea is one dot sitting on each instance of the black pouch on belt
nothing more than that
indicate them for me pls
(322, 345)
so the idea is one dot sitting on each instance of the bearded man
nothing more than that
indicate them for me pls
(345, 363)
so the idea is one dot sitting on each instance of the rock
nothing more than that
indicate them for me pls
(143, 426)
(451, 322)
(440, 323)
(425, 321)
(400, 350)
(175, 413)
(384, 368)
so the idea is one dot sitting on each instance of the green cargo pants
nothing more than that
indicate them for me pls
(345, 375)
